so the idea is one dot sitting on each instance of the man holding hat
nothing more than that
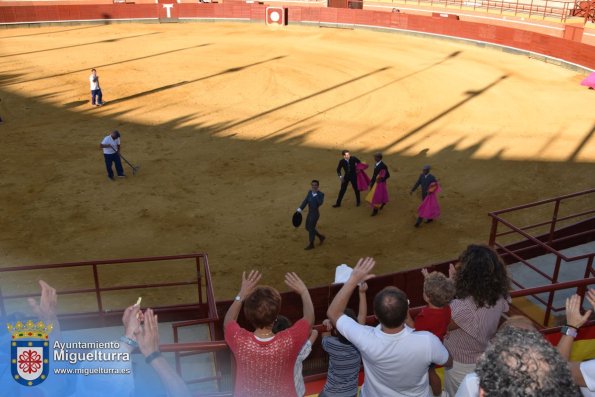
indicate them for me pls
(313, 200)
(111, 154)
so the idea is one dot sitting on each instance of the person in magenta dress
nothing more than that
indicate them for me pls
(429, 209)
(589, 81)
(378, 195)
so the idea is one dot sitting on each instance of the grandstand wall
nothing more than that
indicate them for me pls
(570, 48)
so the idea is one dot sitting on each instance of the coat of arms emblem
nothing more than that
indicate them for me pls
(30, 352)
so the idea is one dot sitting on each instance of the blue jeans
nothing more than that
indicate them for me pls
(113, 158)
(96, 93)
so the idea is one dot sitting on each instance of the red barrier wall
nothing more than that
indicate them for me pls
(568, 49)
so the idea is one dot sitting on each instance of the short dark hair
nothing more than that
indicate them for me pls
(378, 155)
(262, 306)
(521, 363)
(315, 181)
(93, 70)
(390, 307)
(281, 324)
(117, 133)
(344, 152)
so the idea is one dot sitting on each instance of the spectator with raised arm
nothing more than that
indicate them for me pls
(396, 359)
(343, 358)
(481, 299)
(44, 309)
(147, 337)
(265, 361)
(583, 373)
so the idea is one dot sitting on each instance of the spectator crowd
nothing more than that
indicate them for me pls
(465, 328)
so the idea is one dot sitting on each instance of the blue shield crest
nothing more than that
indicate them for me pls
(29, 361)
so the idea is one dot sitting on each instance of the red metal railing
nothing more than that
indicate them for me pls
(520, 8)
(548, 242)
(205, 300)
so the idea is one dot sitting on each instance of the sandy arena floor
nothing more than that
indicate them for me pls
(230, 122)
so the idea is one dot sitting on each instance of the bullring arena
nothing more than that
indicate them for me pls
(230, 121)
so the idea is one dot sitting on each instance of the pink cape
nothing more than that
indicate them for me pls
(589, 81)
(363, 180)
(379, 193)
(429, 208)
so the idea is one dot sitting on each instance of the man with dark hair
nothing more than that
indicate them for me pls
(396, 359)
(522, 363)
(348, 164)
(425, 180)
(378, 195)
(111, 153)
(314, 199)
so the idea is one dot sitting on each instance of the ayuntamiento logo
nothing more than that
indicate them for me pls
(29, 352)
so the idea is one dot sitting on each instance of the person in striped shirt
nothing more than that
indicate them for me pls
(482, 298)
(344, 359)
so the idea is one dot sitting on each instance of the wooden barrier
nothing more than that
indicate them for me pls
(568, 48)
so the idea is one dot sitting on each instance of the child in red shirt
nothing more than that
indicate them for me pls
(438, 292)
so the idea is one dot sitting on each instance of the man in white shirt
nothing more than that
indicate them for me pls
(111, 153)
(95, 89)
(396, 359)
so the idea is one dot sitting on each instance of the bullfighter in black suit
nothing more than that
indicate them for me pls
(347, 164)
(313, 200)
(379, 166)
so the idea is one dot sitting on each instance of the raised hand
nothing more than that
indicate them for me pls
(131, 319)
(425, 272)
(46, 309)
(573, 312)
(295, 283)
(249, 283)
(361, 270)
(147, 336)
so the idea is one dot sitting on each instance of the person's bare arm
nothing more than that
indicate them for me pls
(297, 285)
(313, 336)
(358, 275)
(409, 320)
(47, 308)
(147, 337)
(362, 313)
(248, 285)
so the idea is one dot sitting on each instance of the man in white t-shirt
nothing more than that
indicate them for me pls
(111, 153)
(396, 358)
(95, 89)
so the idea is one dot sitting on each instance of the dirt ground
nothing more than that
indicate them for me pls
(230, 122)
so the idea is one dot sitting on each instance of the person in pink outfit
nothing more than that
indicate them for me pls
(589, 81)
(429, 209)
(378, 195)
(363, 180)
